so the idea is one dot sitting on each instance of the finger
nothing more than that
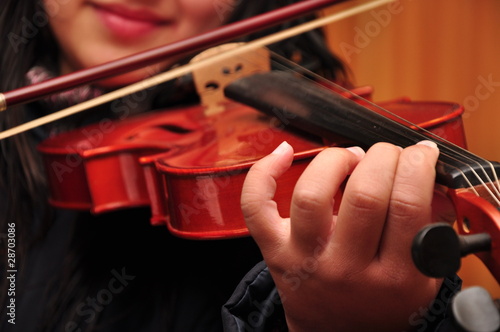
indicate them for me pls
(364, 206)
(312, 202)
(411, 202)
(259, 209)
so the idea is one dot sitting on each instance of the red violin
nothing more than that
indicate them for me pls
(189, 167)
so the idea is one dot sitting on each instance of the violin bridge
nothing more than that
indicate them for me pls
(211, 80)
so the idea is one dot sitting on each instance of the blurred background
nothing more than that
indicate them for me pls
(439, 50)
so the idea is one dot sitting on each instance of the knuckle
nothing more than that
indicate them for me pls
(364, 202)
(308, 200)
(251, 204)
(404, 205)
(365, 199)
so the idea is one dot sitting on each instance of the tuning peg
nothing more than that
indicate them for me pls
(437, 249)
(474, 310)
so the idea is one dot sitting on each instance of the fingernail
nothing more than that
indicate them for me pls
(356, 150)
(428, 143)
(281, 148)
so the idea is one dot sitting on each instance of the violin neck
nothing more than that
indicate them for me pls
(319, 111)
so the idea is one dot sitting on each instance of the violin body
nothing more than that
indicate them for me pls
(164, 159)
(97, 167)
(202, 188)
(105, 166)
(189, 168)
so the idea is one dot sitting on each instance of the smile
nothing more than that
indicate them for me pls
(127, 23)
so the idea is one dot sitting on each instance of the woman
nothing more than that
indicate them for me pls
(116, 272)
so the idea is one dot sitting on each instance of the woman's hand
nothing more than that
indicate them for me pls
(350, 271)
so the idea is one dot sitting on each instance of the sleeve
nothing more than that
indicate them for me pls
(256, 306)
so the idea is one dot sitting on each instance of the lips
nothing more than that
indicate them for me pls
(129, 23)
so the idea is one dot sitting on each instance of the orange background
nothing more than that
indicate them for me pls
(446, 50)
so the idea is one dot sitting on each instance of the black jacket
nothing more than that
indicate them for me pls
(255, 306)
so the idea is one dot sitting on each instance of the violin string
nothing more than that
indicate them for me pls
(468, 181)
(496, 183)
(445, 149)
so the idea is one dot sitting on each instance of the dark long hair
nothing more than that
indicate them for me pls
(27, 40)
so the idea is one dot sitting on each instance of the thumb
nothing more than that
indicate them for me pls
(257, 204)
